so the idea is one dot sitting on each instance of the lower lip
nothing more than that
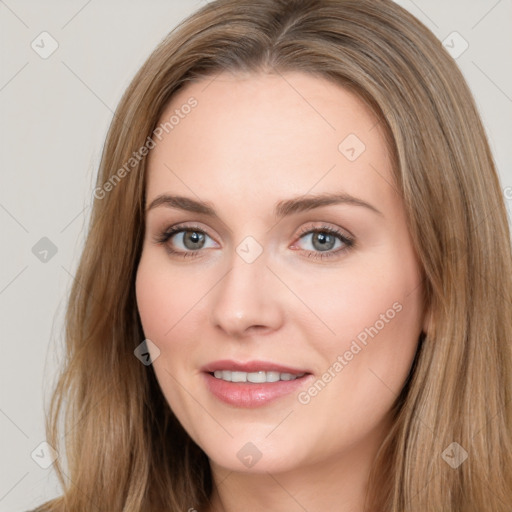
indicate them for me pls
(250, 395)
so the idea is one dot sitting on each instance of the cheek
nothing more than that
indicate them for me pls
(171, 306)
(376, 319)
(153, 302)
(164, 296)
(371, 315)
(349, 302)
(163, 301)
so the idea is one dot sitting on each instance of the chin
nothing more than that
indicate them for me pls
(255, 454)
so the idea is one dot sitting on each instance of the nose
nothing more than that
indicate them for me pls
(249, 299)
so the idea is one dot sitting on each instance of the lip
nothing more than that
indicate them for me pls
(250, 366)
(251, 395)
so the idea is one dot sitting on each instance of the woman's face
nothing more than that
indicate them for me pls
(291, 256)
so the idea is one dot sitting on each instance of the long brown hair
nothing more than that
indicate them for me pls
(125, 449)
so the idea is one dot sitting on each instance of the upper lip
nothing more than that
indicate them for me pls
(250, 366)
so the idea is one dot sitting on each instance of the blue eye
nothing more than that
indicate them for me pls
(323, 240)
(191, 239)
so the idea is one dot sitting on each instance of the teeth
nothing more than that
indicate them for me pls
(238, 376)
(254, 377)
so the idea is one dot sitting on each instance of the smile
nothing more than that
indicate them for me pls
(259, 377)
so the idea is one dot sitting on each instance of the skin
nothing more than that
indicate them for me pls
(252, 141)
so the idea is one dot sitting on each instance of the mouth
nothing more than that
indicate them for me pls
(250, 366)
(259, 377)
(254, 383)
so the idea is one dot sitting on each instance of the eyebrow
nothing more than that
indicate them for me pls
(282, 208)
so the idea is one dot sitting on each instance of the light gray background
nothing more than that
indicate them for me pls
(54, 116)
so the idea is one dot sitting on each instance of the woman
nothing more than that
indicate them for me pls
(296, 289)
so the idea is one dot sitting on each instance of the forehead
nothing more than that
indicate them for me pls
(255, 138)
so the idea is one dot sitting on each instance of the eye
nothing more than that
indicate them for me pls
(184, 241)
(326, 242)
(187, 241)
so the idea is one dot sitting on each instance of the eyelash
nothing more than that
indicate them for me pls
(167, 234)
